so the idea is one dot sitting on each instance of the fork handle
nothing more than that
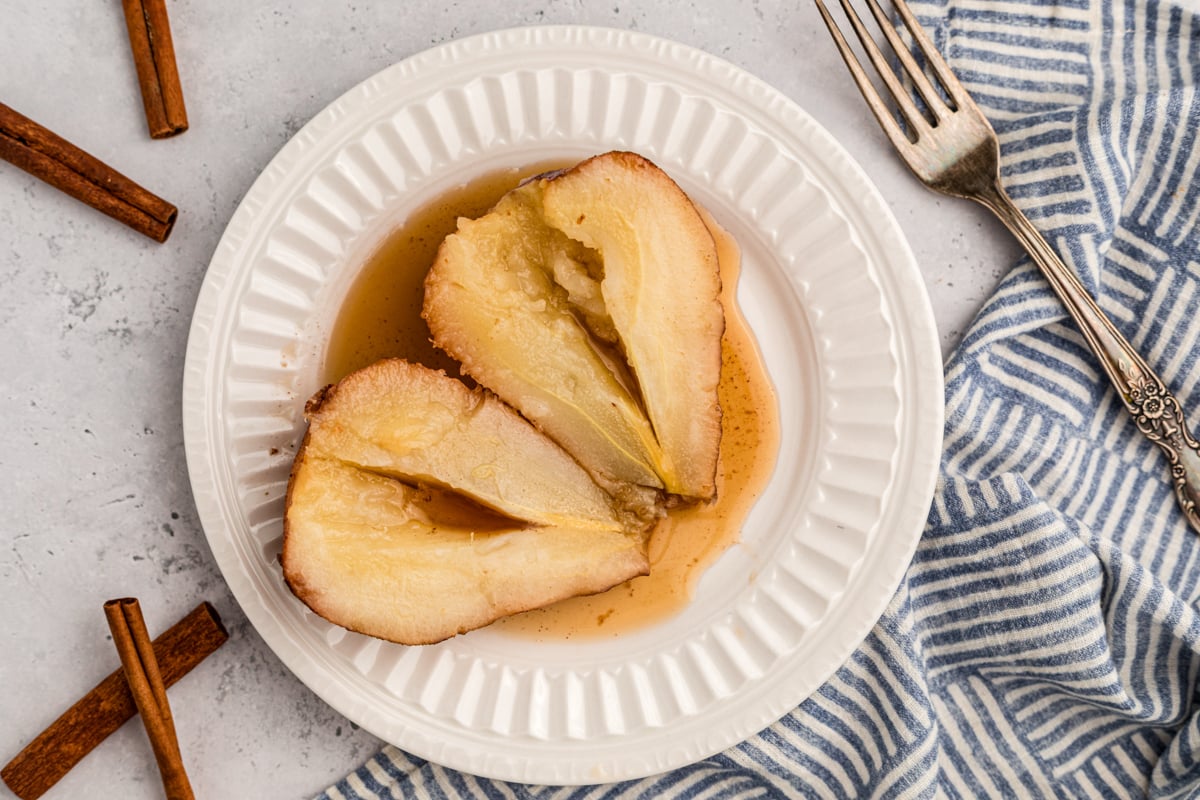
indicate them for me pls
(1155, 410)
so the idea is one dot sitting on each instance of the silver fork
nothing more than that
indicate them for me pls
(957, 153)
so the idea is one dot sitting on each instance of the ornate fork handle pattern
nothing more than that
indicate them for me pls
(1156, 412)
(1160, 417)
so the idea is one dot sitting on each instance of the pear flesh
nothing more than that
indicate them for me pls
(492, 303)
(662, 289)
(419, 509)
(410, 422)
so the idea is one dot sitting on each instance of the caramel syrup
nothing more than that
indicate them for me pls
(381, 318)
(381, 314)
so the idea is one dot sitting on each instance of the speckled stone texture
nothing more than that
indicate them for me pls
(94, 321)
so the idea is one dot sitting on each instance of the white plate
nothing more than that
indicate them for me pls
(830, 289)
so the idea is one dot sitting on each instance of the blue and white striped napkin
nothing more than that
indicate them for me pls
(1045, 641)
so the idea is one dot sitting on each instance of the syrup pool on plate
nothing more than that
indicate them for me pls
(381, 318)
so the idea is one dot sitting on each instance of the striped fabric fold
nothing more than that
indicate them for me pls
(1045, 642)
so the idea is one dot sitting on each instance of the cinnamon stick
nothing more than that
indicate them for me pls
(53, 753)
(132, 641)
(154, 59)
(48, 156)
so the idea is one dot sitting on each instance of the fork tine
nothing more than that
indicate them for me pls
(933, 100)
(950, 82)
(903, 101)
(869, 93)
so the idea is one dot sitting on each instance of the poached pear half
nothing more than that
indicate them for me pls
(589, 300)
(418, 509)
